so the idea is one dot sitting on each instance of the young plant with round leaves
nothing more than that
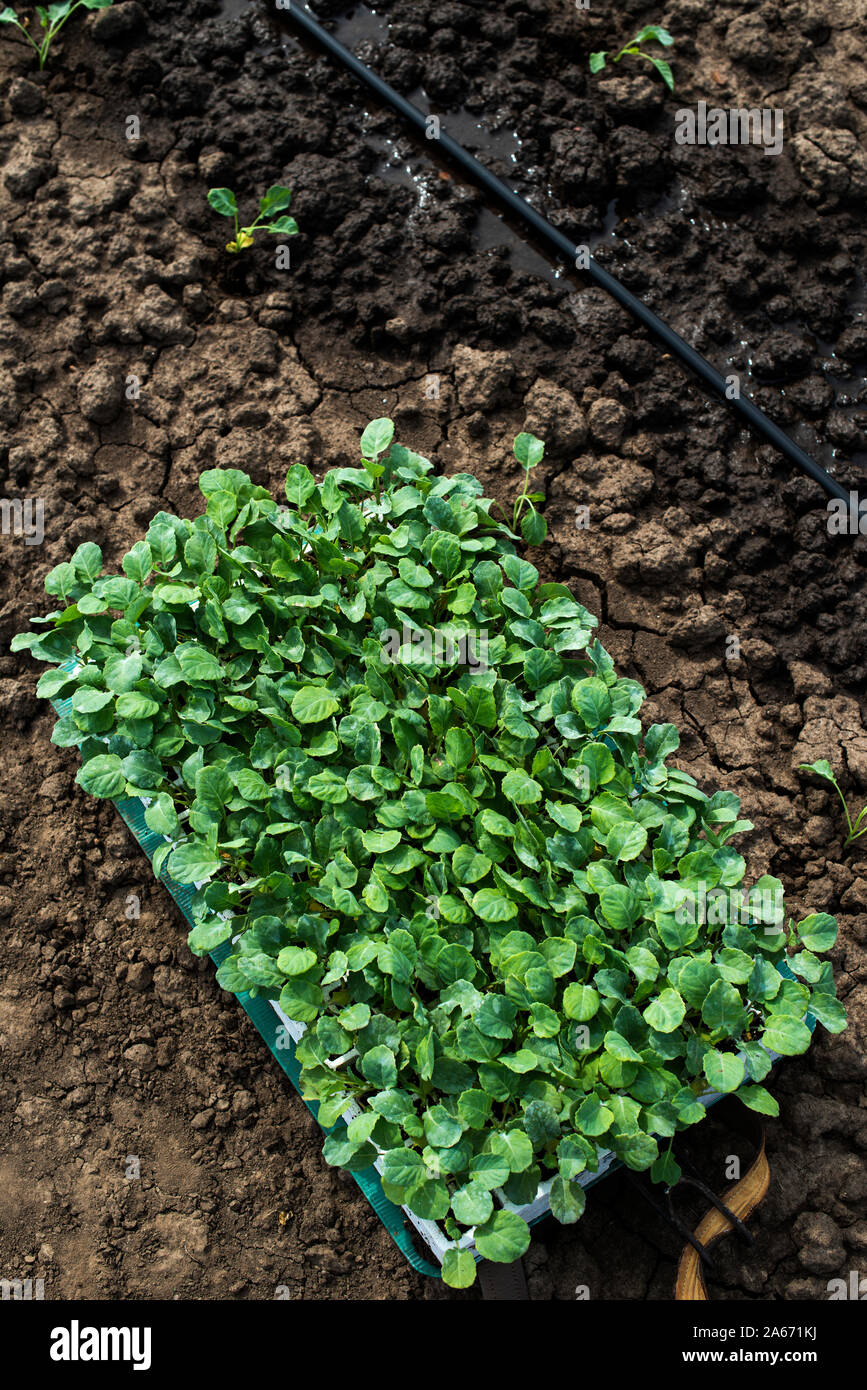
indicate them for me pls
(276, 200)
(475, 882)
(51, 21)
(650, 32)
(529, 452)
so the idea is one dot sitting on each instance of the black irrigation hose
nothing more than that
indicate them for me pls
(561, 243)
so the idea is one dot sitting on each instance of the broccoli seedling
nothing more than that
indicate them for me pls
(822, 768)
(51, 21)
(534, 528)
(632, 49)
(277, 199)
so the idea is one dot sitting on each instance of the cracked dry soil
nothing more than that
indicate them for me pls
(115, 1041)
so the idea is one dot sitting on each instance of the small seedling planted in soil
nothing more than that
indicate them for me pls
(276, 200)
(534, 528)
(51, 21)
(822, 768)
(633, 50)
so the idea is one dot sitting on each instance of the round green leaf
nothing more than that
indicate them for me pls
(724, 1070)
(102, 776)
(580, 1002)
(626, 841)
(504, 1238)
(666, 1013)
(441, 1128)
(818, 931)
(459, 1268)
(376, 438)
(472, 1204)
(520, 789)
(222, 200)
(515, 1148)
(295, 960)
(312, 703)
(568, 1200)
(192, 862)
(379, 1066)
(786, 1034)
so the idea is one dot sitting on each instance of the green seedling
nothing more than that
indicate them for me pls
(276, 200)
(483, 934)
(534, 528)
(632, 50)
(822, 768)
(51, 21)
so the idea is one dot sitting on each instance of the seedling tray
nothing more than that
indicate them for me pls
(281, 1034)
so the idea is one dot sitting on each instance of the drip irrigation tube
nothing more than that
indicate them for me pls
(509, 199)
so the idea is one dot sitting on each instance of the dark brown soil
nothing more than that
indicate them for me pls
(115, 1041)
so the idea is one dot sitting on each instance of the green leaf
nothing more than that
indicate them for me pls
(568, 1200)
(786, 1034)
(822, 768)
(161, 817)
(295, 960)
(87, 561)
(528, 450)
(496, 1016)
(459, 1268)
(468, 866)
(376, 438)
(313, 703)
(134, 705)
(89, 700)
(724, 1070)
(757, 1098)
(402, 1168)
(626, 841)
(723, 1010)
(818, 931)
(593, 1117)
(828, 1010)
(619, 906)
(514, 1146)
(276, 199)
(192, 862)
(664, 70)
(300, 484)
(207, 936)
(597, 61)
(197, 663)
(666, 1012)
(441, 1128)
(102, 776)
(534, 527)
(222, 200)
(520, 789)
(503, 1239)
(472, 1204)
(446, 555)
(379, 1066)
(581, 1002)
(654, 31)
(429, 1200)
(519, 572)
(493, 906)
(122, 672)
(138, 563)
